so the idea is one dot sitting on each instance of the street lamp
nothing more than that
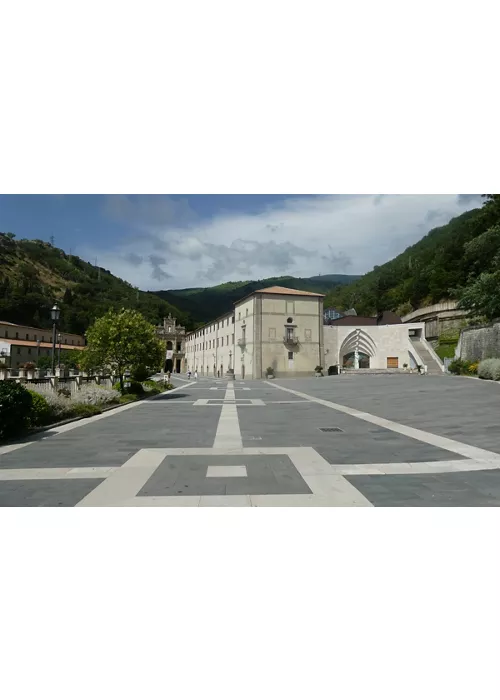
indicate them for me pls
(59, 338)
(55, 312)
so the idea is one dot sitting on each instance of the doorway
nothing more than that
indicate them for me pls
(178, 366)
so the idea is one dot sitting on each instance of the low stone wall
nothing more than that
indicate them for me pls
(479, 343)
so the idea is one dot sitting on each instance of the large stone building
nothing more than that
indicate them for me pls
(273, 327)
(284, 329)
(174, 337)
(20, 344)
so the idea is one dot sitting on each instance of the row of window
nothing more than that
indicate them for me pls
(210, 344)
(43, 351)
(215, 326)
(35, 338)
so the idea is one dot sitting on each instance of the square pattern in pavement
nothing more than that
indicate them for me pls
(181, 475)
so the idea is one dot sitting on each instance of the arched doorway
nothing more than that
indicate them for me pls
(357, 349)
(349, 360)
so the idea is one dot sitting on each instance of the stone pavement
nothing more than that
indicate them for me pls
(373, 440)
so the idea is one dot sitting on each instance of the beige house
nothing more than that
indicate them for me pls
(273, 327)
(20, 344)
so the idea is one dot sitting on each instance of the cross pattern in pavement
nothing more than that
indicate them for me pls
(383, 441)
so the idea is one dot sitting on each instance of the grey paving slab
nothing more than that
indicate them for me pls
(360, 442)
(187, 476)
(456, 407)
(45, 492)
(461, 489)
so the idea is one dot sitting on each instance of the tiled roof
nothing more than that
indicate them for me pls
(33, 344)
(286, 290)
(35, 328)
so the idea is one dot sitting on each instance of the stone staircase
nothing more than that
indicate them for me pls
(433, 366)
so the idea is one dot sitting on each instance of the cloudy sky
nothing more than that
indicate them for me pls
(168, 242)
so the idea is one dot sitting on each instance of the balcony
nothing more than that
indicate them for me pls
(242, 342)
(290, 339)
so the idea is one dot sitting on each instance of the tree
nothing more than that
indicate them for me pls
(482, 297)
(122, 341)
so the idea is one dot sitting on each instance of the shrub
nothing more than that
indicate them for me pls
(30, 366)
(41, 413)
(318, 368)
(86, 410)
(489, 369)
(60, 406)
(134, 388)
(458, 367)
(128, 398)
(269, 370)
(473, 367)
(152, 390)
(15, 408)
(95, 395)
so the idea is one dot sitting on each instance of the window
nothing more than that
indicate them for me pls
(34, 337)
(307, 334)
(6, 334)
(239, 315)
(290, 355)
(222, 341)
(29, 351)
(227, 340)
(232, 338)
(247, 312)
(17, 335)
(18, 351)
(272, 333)
(27, 336)
(232, 319)
(289, 333)
(289, 319)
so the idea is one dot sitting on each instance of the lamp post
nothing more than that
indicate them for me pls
(59, 338)
(38, 343)
(55, 312)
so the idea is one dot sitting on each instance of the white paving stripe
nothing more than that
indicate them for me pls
(228, 433)
(56, 473)
(125, 482)
(461, 448)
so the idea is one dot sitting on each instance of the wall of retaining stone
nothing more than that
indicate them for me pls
(480, 342)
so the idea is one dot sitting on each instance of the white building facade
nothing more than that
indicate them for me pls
(283, 329)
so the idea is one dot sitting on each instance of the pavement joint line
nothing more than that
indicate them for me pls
(462, 448)
(56, 473)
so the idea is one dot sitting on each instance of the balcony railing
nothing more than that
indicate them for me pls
(290, 339)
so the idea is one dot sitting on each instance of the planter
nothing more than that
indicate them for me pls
(318, 374)
(269, 376)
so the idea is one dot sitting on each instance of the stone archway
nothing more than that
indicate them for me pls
(357, 349)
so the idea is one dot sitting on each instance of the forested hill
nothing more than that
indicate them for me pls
(203, 304)
(460, 260)
(34, 274)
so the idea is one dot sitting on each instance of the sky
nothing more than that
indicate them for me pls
(176, 241)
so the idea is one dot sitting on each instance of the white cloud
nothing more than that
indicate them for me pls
(306, 236)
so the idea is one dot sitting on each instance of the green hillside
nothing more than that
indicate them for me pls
(203, 304)
(34, 274)
(460, 260)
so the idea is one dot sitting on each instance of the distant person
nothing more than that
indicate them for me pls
(189, 374)
(218, 373)
(196, 374)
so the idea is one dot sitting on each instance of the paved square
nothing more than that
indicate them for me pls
(187, 475)
(406, 440)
